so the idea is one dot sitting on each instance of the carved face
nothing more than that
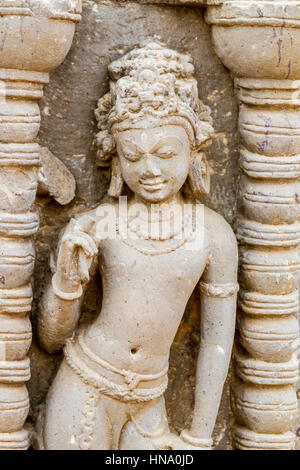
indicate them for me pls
(154, 161)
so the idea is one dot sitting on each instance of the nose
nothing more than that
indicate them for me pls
(151, 169)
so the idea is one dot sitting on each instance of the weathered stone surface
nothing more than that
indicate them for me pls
(54, 179)
(259, 43)
(175, 2)
(153, 129)
(107, 31)
(32, 45)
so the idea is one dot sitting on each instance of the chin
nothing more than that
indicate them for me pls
(158, 196)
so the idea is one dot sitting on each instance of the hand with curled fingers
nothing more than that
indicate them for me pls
(75, 257)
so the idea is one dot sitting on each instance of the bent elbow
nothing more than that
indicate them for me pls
(49, 343)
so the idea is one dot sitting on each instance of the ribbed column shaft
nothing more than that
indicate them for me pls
(263, 394)
(19, 161)
(259, 42)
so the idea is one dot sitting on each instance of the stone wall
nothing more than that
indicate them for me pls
(107, 31)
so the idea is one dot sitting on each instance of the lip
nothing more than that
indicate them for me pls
(153, 186)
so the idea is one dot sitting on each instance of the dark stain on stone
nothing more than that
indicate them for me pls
(289, 70)
(279, 43)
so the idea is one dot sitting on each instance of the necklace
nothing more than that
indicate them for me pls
(158, 226)
(155, 251)
(156, 231)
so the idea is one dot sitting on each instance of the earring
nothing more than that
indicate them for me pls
(117, 181)
(199, 175)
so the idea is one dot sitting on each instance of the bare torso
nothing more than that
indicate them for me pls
(144, 299)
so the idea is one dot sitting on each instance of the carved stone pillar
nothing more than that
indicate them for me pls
(35, 36)
(260, 44)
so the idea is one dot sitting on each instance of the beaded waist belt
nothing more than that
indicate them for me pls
(75, 353)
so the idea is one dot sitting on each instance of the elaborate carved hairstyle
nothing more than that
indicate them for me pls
(157, 83)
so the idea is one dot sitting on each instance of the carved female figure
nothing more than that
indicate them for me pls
(108, 393)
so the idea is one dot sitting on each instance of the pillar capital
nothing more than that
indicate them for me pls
(257, 39)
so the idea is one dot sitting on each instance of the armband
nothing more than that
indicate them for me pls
(219, 290)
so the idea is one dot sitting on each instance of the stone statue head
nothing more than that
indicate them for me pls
(153, 126)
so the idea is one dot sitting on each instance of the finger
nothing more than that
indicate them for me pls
(66, 247)
(81, 240)
(67, 261)
(83, 268)
(71, 265)
(90, 241)
(85, 246)
(74, 243)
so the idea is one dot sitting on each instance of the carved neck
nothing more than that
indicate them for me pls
(172, 201)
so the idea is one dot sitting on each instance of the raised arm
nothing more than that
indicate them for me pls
(219, 289)
(60, 309)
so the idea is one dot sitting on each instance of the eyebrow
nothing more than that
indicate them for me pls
(162, 141)
(166, 140)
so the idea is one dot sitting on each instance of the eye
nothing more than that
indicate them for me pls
(132, 157)
(129, 150)
(165, 153)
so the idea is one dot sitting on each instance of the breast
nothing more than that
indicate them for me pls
(162, 277)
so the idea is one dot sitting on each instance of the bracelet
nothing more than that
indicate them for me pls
(195, 441)
(219, 290)
(65, 295)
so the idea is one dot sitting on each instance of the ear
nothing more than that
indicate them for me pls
(199, 175)
(117, 181)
